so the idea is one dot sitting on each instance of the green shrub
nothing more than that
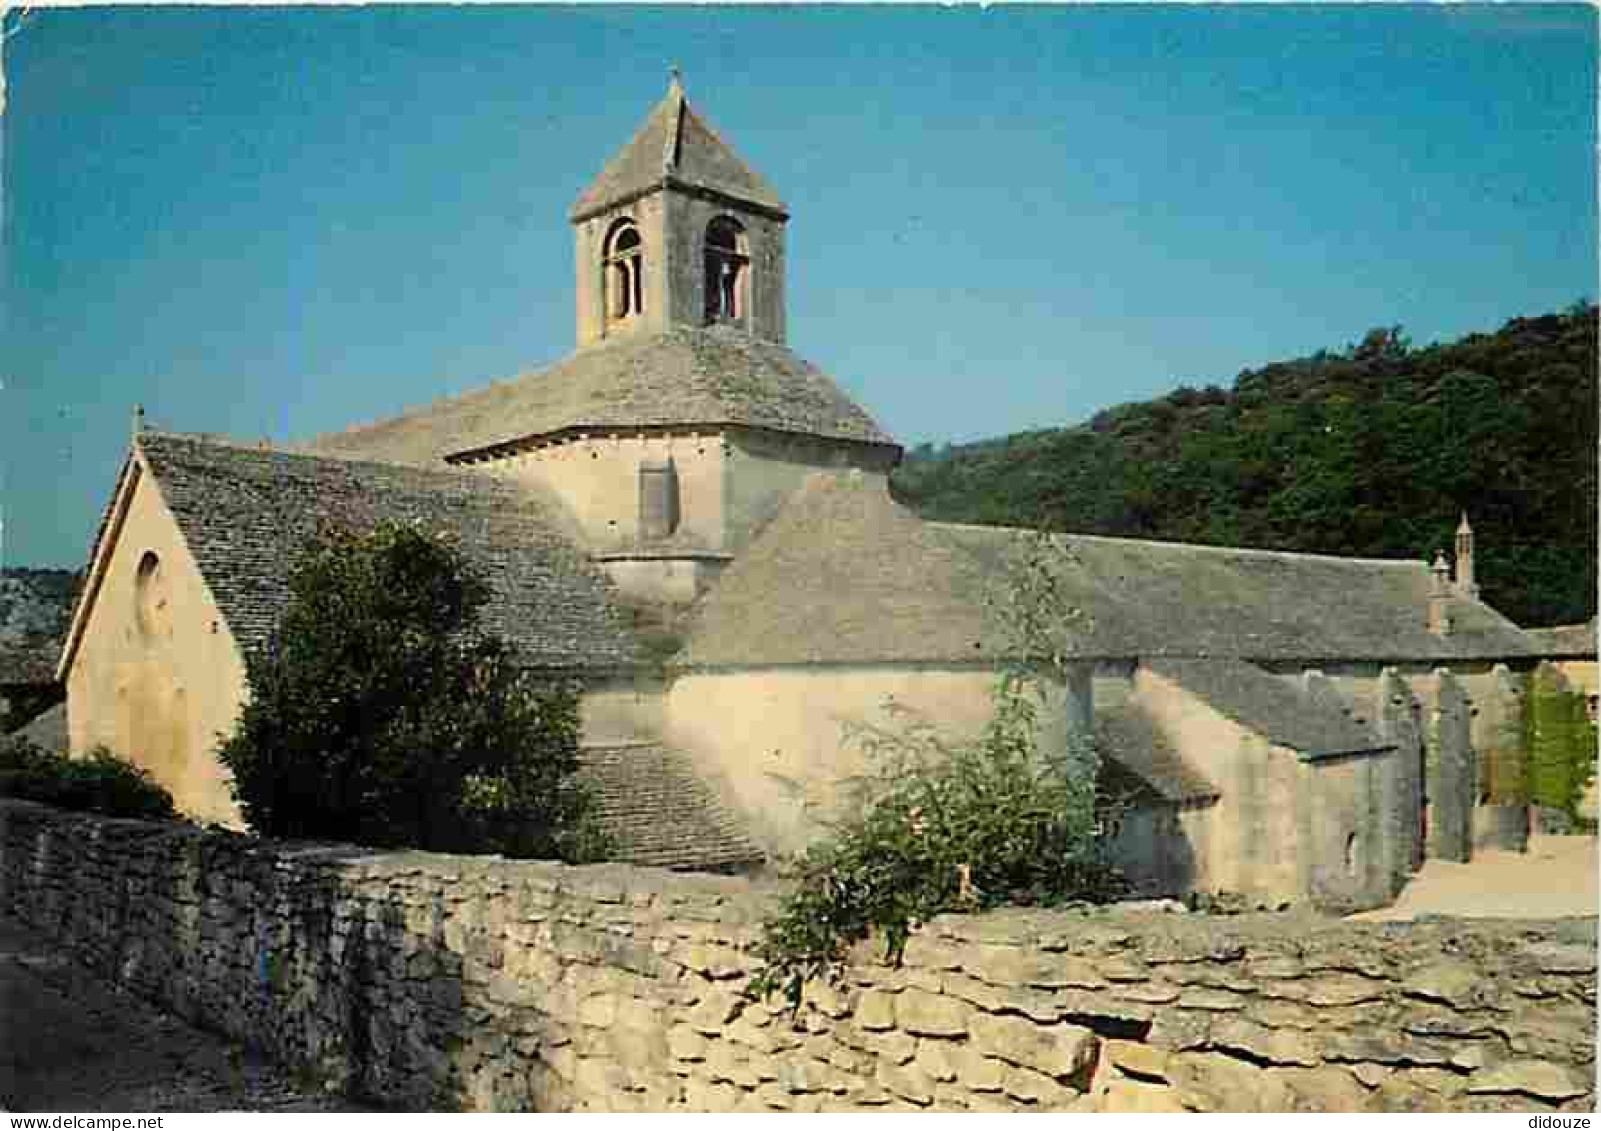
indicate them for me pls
(383, 714)
(937, 826)
(941, 827)
(1561, 743)
(98, 783)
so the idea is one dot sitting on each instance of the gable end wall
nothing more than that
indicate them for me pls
(158, 698)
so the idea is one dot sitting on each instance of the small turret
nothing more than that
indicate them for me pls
(1440, 596)
(1465, 584)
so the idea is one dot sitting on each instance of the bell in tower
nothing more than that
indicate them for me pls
(678, 231)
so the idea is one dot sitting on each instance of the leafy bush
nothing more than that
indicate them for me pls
(1561, 743)
(383, 714)
(943, 827)
(98, 783)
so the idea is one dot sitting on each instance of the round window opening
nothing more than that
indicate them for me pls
(151, 604)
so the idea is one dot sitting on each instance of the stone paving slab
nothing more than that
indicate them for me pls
(1556, 878)
(70, 1042)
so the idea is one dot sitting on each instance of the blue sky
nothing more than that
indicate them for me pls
(276, 222)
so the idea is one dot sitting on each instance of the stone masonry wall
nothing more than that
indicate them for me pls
(433, 982)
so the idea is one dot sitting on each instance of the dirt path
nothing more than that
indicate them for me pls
(1557, 877)
(71, 1043)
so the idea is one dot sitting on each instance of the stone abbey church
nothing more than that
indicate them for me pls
(697, 523)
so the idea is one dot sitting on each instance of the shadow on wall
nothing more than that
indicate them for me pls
(1148, 843)
(356, 993)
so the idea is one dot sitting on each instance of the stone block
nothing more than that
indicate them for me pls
(1155, 993)
(850, 1060)
(1370, 1075)
(1275, 966)
(875, 1011)
(1128, 1097)
(934, 1057)
(1561, 958)
(600, 1078)
(685, 1043)
(1041, 1006)
(1180, 1029)
(1122, 968)
(1277, 1013)
(1539, 1078)
(710, 961)
(1451, 981)
(767, 1039)
(991, 1103)
(1213, 1082)
(1322, 1089)
(1212, 1000)
(950, 1097)
(929, 1015)
(1425, 1019)
(599, 1010)
(801, 1075)
(1136, 1057)
(701, 1095)
(731, 1064)
(907, 1082)
(714, 1010)
(932, 953)
(1382, 1048)
(827, 998)
(973, 991)
(774, 1096)
(1035, 1087)
(1330, 989)
(1276, 1046)
(1058, 1050)
(1400, 1094)
(891, 1046)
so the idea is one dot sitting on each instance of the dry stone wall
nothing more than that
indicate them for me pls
(433, 982)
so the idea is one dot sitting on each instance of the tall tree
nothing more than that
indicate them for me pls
(383, 714)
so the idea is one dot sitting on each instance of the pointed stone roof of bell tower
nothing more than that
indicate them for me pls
(675, 146)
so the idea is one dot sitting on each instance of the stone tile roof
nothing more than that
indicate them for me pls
(844, 574)
(674, 145)
(48, 730)
(659, 812)
(683, 376)
(863, 579)
(246, 513)
(1133, 747)
(1564, 640)
(1312, 723)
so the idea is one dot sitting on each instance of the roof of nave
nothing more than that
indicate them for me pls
(844, 573)
(246, 513)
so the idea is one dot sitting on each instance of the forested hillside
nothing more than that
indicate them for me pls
(1373, 451)
(35, 605)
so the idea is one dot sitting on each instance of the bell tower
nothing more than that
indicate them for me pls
(678, 231)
